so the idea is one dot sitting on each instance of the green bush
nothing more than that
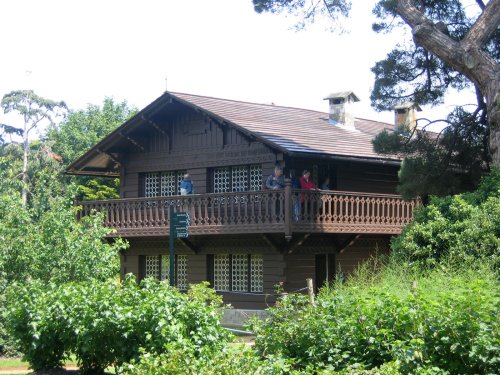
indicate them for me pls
(447, 324)
(463, 228)
(105, 324)
(231, 360)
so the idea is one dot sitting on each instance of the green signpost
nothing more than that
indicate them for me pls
(179, 224)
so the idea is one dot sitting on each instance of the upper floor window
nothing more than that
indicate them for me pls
(162, 184)
(237, 178)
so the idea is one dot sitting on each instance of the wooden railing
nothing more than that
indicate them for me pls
(268, 211)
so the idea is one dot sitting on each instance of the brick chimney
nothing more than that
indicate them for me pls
(406, 114)
(341, 108)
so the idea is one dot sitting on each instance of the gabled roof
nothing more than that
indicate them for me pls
(290, 130)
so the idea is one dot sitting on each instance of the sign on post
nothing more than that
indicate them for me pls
(179, 224)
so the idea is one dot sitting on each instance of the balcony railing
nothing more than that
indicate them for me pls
(268, 211)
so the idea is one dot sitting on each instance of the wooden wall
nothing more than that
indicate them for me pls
(349, 176)
(364, 177)
(196, 144)
(291, 270)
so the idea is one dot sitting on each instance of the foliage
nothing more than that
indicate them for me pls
(438, 55)
(80, 131)
(44, 240)
(107, 323)
(306, 10)
(35, 111)
(448, 163)
(230, 360)
(53, 245)
(461, 228)
(445, 324)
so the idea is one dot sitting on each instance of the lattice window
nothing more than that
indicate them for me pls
(152, 264)
(239, 282)
(238, 272)
(151, 184)
(256, 273)
(168, 184)
(239, 178)
(180, 265)
(162, 183)
(221, 272)
(180, 176)
(221, 180)
(256, 177)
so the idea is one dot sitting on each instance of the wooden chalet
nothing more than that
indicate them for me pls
(243, 238)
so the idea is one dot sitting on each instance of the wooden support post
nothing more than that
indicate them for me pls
(171, 246)
(288, 209)
(310, 291)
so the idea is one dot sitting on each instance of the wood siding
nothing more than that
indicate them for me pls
(289, 269)
(191, 142)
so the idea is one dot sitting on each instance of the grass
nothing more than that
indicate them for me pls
(12, 362)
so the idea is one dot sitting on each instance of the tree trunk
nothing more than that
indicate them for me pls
(466, 56)
(494, 119)
(24, 175)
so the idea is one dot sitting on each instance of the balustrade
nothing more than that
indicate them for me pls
(259, 212)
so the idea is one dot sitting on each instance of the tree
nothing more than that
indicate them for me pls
(80, 131)
(35, 111)
(452, 49)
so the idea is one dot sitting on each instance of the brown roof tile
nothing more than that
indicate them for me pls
(293, 129)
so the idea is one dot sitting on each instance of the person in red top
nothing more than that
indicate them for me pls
(307, 204)
(305, 181)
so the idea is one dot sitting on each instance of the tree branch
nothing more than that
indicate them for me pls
(484, 27)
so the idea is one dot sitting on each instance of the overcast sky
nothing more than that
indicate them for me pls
(82, 51)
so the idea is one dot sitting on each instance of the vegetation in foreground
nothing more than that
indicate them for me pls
(431, 308)
(106, 323)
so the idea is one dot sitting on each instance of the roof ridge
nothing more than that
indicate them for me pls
(247, 102)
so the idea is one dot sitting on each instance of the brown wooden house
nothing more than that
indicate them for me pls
(245, 239)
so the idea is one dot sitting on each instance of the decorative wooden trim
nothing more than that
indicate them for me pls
(133, 141)
(260, 212)
(109, 156)
(191, 246)
(347, 243)
(271, 243)
(294, 244)
(154, 125)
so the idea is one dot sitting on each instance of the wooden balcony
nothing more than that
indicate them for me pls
(269, 211)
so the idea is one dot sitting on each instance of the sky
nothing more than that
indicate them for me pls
(83, 51)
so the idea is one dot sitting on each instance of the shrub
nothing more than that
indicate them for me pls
(107, 323)
(447, 324)
(463, 228)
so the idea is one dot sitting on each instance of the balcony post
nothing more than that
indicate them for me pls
(288, 209)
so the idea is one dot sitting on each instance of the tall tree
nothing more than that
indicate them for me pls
(35, 112)
(453, 48)
(80, 131)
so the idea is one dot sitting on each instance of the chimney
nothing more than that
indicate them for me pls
(405, 114)
(341, 108)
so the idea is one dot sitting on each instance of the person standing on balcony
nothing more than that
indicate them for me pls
(307, 184)
(296, 203)
(305, 181)
(186, 185)
(326, 184)
(276, 180)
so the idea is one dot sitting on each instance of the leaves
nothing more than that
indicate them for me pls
(108, 323)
